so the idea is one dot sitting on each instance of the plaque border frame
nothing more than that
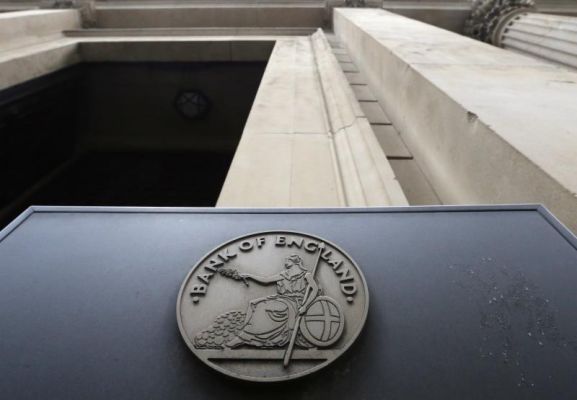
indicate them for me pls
(543, 211)
(312, 370)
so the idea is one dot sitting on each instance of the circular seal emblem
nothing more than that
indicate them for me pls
(272, 306)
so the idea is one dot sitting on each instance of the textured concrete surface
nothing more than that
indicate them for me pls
(412, 180)
(417, 188)
(391, 142)
(212, 15)
(375, 113)
(363, 93)
(22, 64)
(307, 142)
(23, 28)
(486, 125)
(448, 14)
(356, 78)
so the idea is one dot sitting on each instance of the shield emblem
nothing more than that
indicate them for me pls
(323, 323)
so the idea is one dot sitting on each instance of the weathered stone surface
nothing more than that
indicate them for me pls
(348, 66)
(416, 186)
(391, 142)
(343, 57)
(192, 31)
(325, 154)
(27, 62)
(363, 93)
(211, 15)
(487, 125)
(355, 78)
(176, 49)
(32, 27)
(375, 113)
(22, 64)
(450, 15)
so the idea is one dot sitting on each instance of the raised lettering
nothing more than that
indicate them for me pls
(246, 246)
(205, 278)
(311, 247)
(348, 288)
(209, 268)
(326, 255)
(198, 290)
(225, 255)
(335, 264)
(280, 241)
(345, 274)
(296, 242)
(214, 263)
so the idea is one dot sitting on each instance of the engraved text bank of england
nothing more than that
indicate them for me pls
(270, 296)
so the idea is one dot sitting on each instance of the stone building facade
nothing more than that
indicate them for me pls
(329, 103)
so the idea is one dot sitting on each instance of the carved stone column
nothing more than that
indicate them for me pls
(515, 25)
(551, 37)
(488, 17)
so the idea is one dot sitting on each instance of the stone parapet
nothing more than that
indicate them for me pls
(33, 27)
(448, 14)
(306, 142)
(367, 177)
(306, 14)
(486, 125)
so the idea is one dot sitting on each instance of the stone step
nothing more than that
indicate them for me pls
(355, 78)
(363, 93)
(374, 113)
(415, 185)
(342, 56)
(348, 67)
(391, 142)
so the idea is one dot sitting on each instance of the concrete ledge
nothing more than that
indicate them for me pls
(306, 142)
(22, 64)
(18, 66)
(201, 3)
(208, 31)
(232, 15)
(175, 49)
(284, 157)
(22, 5)
(486, 125)
(450, 15)
(368, 179)
(23, 28)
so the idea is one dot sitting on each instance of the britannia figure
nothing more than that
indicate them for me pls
(271, 320)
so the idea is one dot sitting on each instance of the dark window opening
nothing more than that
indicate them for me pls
(116, 134)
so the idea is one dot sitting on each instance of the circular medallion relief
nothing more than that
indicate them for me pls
(272, 306)
(192, 104)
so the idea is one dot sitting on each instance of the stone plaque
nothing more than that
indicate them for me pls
(465, 303)
(234, 322)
